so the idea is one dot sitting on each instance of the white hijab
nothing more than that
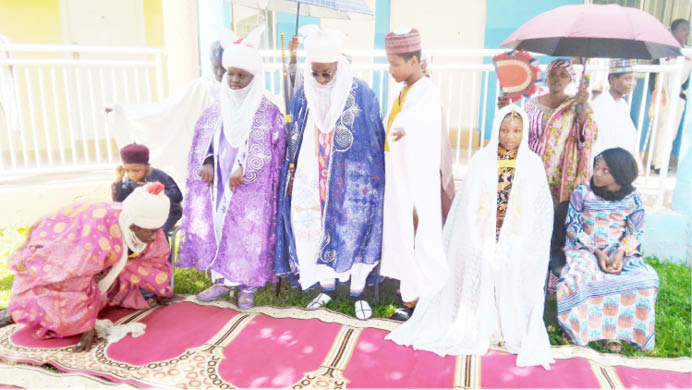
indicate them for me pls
(238, 107)
(494, 286)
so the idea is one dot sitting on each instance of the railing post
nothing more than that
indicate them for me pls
(159, 76)
(682, 195)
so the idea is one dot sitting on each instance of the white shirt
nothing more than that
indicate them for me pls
(615, 126)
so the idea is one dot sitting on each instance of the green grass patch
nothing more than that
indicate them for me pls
(673, 306)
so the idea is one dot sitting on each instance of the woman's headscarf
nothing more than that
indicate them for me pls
(623, 168)
(562, 63)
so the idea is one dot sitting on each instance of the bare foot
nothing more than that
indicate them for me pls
(86, 341)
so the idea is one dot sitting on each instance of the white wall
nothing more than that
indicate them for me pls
(443, 24)
(360, 31)
(181, 42)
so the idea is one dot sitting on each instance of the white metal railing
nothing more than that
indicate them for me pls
(61, 91)
(58, 94)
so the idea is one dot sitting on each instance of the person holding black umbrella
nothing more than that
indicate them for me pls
(559, 133)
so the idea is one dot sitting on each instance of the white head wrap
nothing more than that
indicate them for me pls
(238, 107)
(326, 102)
(146, 207)
(322, 45)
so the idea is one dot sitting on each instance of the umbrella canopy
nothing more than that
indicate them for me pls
(330, 9)
(608, 31)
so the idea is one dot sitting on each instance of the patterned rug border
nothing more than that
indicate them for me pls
(562, 352)
(37, 377)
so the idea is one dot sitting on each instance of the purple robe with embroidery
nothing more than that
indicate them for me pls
(245, 250)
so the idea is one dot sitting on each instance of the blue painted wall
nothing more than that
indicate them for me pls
(682, 196)
(211, 16)
(502, 18)
(382, 15)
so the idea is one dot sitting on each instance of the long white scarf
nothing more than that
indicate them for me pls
(130, 242)
(238, 108)
(337, 92)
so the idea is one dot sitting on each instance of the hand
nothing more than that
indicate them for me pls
(207, 173)
(163, 301)
(236, 179)
(617, 261)
(582, 96)
(85, 341)
(502, 102)
(293, 45)
(119, 173)
(603, 261)
(397, 134)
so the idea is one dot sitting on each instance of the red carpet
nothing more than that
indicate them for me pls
(203, 346)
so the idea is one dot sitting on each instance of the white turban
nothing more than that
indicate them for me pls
(242, 53)
(147, 206)
(238, 107)
(322, 45)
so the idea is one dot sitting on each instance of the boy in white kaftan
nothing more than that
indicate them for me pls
(412, 227)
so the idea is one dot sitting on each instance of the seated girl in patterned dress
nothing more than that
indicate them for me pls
(607, 291)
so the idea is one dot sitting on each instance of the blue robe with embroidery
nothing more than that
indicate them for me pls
(352, 230)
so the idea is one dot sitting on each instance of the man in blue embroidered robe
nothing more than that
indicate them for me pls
(331, 195)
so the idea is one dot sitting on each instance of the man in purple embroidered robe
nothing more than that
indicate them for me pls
(233, 175)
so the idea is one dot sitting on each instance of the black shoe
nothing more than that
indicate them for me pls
(402, 314)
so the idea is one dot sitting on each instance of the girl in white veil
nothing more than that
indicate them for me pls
(497, 266)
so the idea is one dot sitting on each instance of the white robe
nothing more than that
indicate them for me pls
(166, 127)
(412, 181)
(493, 288)
(615, 126)
(674, 109)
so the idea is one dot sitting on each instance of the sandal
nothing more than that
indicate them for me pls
(5, 318)
(212, 293)
(363, 310)
(321, 300)
(614, 346)
(402, 314)
(246, 299)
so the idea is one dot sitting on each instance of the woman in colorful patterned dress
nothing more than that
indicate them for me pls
(559, 134)
(87, 256)
(607, 291)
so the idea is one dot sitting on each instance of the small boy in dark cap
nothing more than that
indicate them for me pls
(136, 171)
